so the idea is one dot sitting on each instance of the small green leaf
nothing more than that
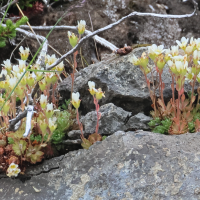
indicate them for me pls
(86, 144)
(104, 137)
(19, 147)
(10, 140)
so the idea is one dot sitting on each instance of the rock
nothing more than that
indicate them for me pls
(132, 165)
(112, 119)
(123, 83)
(74, 134)
(139, 121)
(72, 142)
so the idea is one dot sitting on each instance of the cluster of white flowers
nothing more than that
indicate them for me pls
(13, 74)
(13, 170)
(183, 62)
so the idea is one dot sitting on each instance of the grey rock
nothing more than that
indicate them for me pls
(71, 142)
(74, 134)
(112, 119)
(45, 167)
(123, 83)
(133, 165)
(139, 121)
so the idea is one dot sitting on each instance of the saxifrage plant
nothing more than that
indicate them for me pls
(179, 115)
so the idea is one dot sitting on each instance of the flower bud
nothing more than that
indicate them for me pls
(1, 100)
(73, 39)
(75, 100)
(43, 101)
(92, 89)
(49, 111)
(183, 43)
(43, 126)
(81, 27)
(6, 107)
(144, 60)
(189, 50)
(99, 94)
(42, 84)
(48, 78)
(7, 65)
(31, 80)
(198, 78)
(160, 62)
(24, 53)
(52, 125)
(19, 91)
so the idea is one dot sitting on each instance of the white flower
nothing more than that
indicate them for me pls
(196, 55)
(133, 60)
(13, 166)
(181, 67)
(7, 65)
(3, 73)
(24, 53)
(174, 50)
(52, 124)
(167, 51)
(75, 96)
(75, 100)
(178, 58)
(69, 34)
(13, 170)
(91, 84)
(183, 42)
(16, 69)
(49, 106)
(51, 59)
(154, 49)
(197, 42)
(43, 101)
(60, 67)
(170, 63)
(12, 82)
(198, 78)
(22, 65)
(81, 26)
(192, 41)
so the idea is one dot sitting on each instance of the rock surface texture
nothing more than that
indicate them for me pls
(125, 166)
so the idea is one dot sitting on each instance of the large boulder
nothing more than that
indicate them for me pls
(125, 166)
(124, 84)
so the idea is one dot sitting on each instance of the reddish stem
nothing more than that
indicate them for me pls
(193, 84)
(98, 116)
(80, 125)
(150, 93)
(161, 88)
(72, 75)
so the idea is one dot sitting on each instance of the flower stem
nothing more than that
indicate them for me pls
(98, 116)
(80, 125)
(72, 75)
(161, 89)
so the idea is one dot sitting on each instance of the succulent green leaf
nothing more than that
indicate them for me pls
(19, 147)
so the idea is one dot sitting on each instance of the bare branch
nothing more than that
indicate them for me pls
(4, 7)
(44, 47)
(98, 39)
(118, 22)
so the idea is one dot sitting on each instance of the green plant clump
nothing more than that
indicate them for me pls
(9, 31)
(64, 122)
(160, 126)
